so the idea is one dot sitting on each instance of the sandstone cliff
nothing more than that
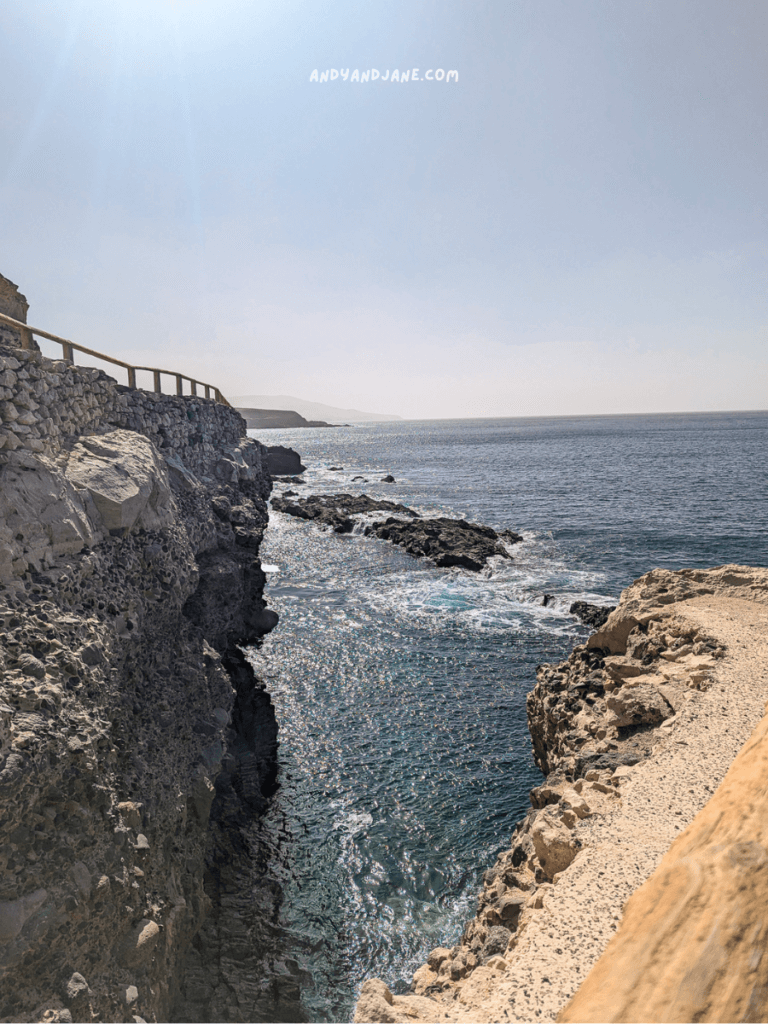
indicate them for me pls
(130, 526)
(634, 732)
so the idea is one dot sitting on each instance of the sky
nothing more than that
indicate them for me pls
(575, 223)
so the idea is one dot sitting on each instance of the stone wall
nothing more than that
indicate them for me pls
(130, 526)
(43, 402)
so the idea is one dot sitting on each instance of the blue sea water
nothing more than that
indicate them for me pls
(400, 687)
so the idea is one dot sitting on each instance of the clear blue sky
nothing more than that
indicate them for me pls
(578, 225)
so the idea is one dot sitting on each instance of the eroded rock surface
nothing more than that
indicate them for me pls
(130, 527)
(336, 510)
(634, 732)
(446, 542)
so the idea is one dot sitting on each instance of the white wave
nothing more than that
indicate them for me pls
(353, 822)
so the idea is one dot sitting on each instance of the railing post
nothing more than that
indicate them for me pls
(193, 385)
(131, 378)
(158, 389)
(26, 339)
(66, 349)
(207, 391)
(179, 385)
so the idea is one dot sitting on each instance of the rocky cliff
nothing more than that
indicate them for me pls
(15, 305)
(130, 526)
(634, 733)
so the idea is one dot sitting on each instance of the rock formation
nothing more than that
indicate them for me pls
(15, 305)
(130, 526)
(444, 541)
(336, 510)
(283, 461)
(593, 615)
(634, 731)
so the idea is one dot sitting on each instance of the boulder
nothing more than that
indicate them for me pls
(554, 843)
(126, 480)
(283, 461)
(638, 705)
(42, 516)
(593, 615)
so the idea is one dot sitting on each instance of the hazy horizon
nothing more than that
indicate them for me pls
(575, 226)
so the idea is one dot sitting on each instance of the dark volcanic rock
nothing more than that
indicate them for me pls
(335, 510)
(510, 536)
(593, 615)
(282, 461)
(446, 541)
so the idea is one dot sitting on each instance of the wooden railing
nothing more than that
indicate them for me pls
(68, 347)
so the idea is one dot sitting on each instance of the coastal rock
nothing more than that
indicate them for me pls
(126, 480)
(134, 738)
(554, 844)
(282, 461)
(593, 615)
(446, 542)
(690, 945)
(596, 721)
(336, 510)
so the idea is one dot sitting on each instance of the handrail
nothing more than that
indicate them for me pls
(69, 346)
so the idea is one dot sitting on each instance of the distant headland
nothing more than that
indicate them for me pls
(308, 410)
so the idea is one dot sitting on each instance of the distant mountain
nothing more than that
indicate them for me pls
(310, 410)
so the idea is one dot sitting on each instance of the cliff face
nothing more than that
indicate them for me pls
(130, 525)
(634, 732)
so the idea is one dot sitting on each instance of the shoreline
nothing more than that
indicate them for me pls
(598, 827)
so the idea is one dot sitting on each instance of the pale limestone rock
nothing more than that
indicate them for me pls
(126, 479)
(554, 844)
(638, 705)
(41, 515)
(138, 945)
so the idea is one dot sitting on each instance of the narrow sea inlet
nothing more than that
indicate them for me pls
(400, 688)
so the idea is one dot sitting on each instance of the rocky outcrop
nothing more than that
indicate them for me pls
(336, 510)
(593, 615)
(444, 541)
(691, 945)
(130, 526)
(633, 733)
(14, 305)
(282, 461)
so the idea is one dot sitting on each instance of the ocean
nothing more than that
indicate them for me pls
(400, 688)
